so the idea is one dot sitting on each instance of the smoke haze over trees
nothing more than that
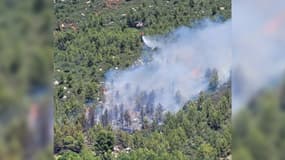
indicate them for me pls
(92, 39)
(185, 63)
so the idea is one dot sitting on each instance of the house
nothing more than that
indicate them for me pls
(128, 149)
(56, 82)
(139, 24)
(67, 25)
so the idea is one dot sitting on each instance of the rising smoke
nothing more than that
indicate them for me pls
(258, 42)
(175, 73)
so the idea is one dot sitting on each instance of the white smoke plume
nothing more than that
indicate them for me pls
(175, 73)
(152, 42)
(258, 47)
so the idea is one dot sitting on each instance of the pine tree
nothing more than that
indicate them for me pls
(214, 80)
(105, 118)
(121, 115)
(159, 113)
(127, 118)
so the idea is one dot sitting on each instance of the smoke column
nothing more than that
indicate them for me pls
(175, 71)
(258, 47)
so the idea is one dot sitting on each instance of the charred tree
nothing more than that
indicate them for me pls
(159, 114)
(105, 118)
(142, 115)
(116, 112)
(150, 104)
(127, 118)
(213, 79)
(121, 116)
(178, 97)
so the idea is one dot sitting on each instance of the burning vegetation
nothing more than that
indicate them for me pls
(131, 94)
(167, 78)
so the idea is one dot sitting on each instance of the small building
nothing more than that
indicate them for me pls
(67, 25)
(139, 24)
(56, 82)
(128, 149)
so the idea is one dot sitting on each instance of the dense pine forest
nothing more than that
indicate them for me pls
(93, 36)
(258, 129)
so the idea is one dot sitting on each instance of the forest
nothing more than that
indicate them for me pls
(90, 37)
(260, 126)
(200, 130)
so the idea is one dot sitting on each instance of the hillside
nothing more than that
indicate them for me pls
(94, 36)
(200, 130)
(258, 128)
